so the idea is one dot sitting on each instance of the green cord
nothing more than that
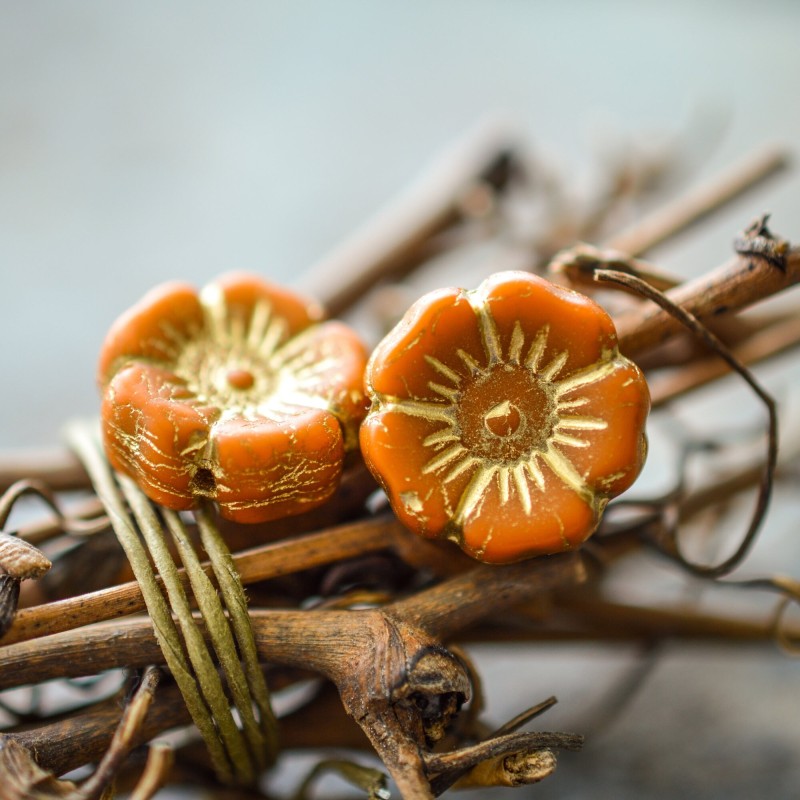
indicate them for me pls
(204, 667)
(230, 585)
(233, 757)
(220, 634)
(85, 443)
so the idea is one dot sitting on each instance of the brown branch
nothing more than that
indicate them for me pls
(390, 244)
(57, 467)
(257, 564)
(694, 206)
(325, 641)
(467, 757)
(578, 265)
(602, 618)
(457, 603)
(741, 282)
(770, 341)
(66, 744)
(382, 660)
(84, 736)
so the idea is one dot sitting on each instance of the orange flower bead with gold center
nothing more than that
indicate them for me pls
(504, 418)
(241, 394)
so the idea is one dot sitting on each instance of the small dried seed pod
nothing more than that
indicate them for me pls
(517, 769)
(21, 560)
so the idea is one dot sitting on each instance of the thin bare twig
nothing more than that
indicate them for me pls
(124, 738)
(54, 466)
(772, 340)
(256, 564)
(467, 757)
(741, 282)
(390, 244)
(694, 206)
(155, 774)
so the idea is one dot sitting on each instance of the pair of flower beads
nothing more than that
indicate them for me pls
(503, 418)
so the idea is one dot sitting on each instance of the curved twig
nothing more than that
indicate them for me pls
(41, 490)
(669, 544)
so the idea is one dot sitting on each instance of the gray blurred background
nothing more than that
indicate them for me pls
(146, 141)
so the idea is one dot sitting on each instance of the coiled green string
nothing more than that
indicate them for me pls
(237, 755)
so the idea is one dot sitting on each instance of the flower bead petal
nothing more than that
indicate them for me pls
(153, 432)
(436, 341)
(561, 517)
(552, 329)
(323, 367)
(601, 425)
(153, 330)
(264, 309)
(421, 498)
(264, 469)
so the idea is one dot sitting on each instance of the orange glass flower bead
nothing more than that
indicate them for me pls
(240, 394)
(504, 418)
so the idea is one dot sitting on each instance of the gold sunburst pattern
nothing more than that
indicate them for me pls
(504, 418)
(240, 393)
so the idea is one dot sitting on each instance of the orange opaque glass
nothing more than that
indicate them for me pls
(505, 418)
(241, 394)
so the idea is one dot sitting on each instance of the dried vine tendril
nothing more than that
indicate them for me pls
(370, 780)
(36, 488)
(790, 589)
(666, 539)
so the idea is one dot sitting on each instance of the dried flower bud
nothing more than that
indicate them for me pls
(21, 560)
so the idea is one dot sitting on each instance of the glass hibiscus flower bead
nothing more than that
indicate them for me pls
(504, 418)
(240, 393)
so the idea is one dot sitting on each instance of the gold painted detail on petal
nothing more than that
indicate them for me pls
(243, 363)
(443, 370)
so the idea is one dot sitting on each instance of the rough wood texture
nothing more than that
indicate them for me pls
(741, 282)
(256, 564)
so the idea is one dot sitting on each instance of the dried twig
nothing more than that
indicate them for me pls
(693, 207)
(389, 244)
(123, 740)
(774, 339)
(154, 776)
(382, 660)
(55, 467)
(255, 564)
(740, 283)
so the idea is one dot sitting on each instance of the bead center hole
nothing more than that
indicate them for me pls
(502, 419)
